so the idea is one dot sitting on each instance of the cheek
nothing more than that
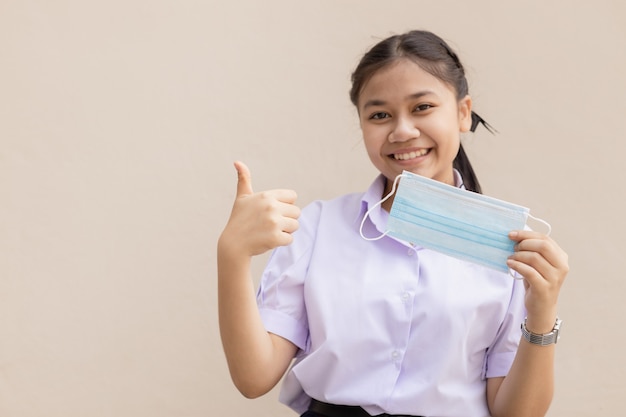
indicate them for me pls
(450, 142)
(372, 148)
(447, 133)
(373, 138)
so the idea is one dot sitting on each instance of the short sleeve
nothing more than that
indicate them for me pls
(501, 353)
(280, 297)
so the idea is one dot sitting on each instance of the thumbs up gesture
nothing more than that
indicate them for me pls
(260, 221)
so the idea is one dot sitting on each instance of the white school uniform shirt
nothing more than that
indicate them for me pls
(385, 325)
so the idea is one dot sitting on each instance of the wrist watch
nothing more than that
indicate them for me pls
(545, 339)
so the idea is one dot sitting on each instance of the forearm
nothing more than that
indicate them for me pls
(254, 363)
(528, 388)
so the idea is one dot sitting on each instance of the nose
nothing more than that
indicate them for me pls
(403, 130)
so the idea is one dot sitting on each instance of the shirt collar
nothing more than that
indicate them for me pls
(458, 179)
(372, 196)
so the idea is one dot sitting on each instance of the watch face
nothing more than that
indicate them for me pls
(557, 329)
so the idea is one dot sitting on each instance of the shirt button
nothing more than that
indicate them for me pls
(406, 296)
(395, 355)
(410, 252)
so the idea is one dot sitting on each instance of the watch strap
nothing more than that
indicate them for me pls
(545, 339)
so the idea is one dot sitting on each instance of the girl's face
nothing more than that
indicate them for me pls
(412, 121)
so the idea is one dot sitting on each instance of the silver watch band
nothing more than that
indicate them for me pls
(545, 339)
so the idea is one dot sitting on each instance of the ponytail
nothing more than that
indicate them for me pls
(462, 163)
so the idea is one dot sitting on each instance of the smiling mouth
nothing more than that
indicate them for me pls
(410, 155)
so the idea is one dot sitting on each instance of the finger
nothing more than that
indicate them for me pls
(289, 225)
(285, 239)
(519, 235)
(534, 261)
(285, 196)
(546, 247)
(281, 195)
(290, 210)
(535, 277)
(244, 180)
(530, 274)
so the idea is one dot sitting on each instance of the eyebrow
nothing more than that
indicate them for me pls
(377, 102)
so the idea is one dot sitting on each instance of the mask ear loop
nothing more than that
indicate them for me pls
(393, 190)
(545, 223)
(514, 274)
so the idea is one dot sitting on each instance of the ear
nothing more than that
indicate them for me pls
(465, 114)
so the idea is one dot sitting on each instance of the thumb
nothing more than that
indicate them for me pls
(244, 183)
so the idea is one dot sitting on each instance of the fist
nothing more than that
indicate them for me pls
(260, 221)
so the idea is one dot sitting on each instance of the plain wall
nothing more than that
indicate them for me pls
(119, 123)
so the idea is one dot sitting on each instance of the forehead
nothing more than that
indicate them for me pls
(401, 79)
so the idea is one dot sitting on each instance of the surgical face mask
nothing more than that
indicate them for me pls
(459, 223)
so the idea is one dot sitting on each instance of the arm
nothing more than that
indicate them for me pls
(258, 223)
(528, 388)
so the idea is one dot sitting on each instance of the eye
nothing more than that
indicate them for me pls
(423, 107)
(379, 116)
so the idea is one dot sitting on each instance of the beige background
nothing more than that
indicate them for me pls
(119, 122)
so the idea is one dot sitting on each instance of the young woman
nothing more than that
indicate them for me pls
(386, 327)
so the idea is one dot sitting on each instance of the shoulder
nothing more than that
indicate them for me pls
(322, 224)
(322, 217)
(347, 206)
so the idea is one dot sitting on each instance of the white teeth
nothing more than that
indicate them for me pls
(410, 155)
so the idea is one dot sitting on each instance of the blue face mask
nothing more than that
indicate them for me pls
(453, 221)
